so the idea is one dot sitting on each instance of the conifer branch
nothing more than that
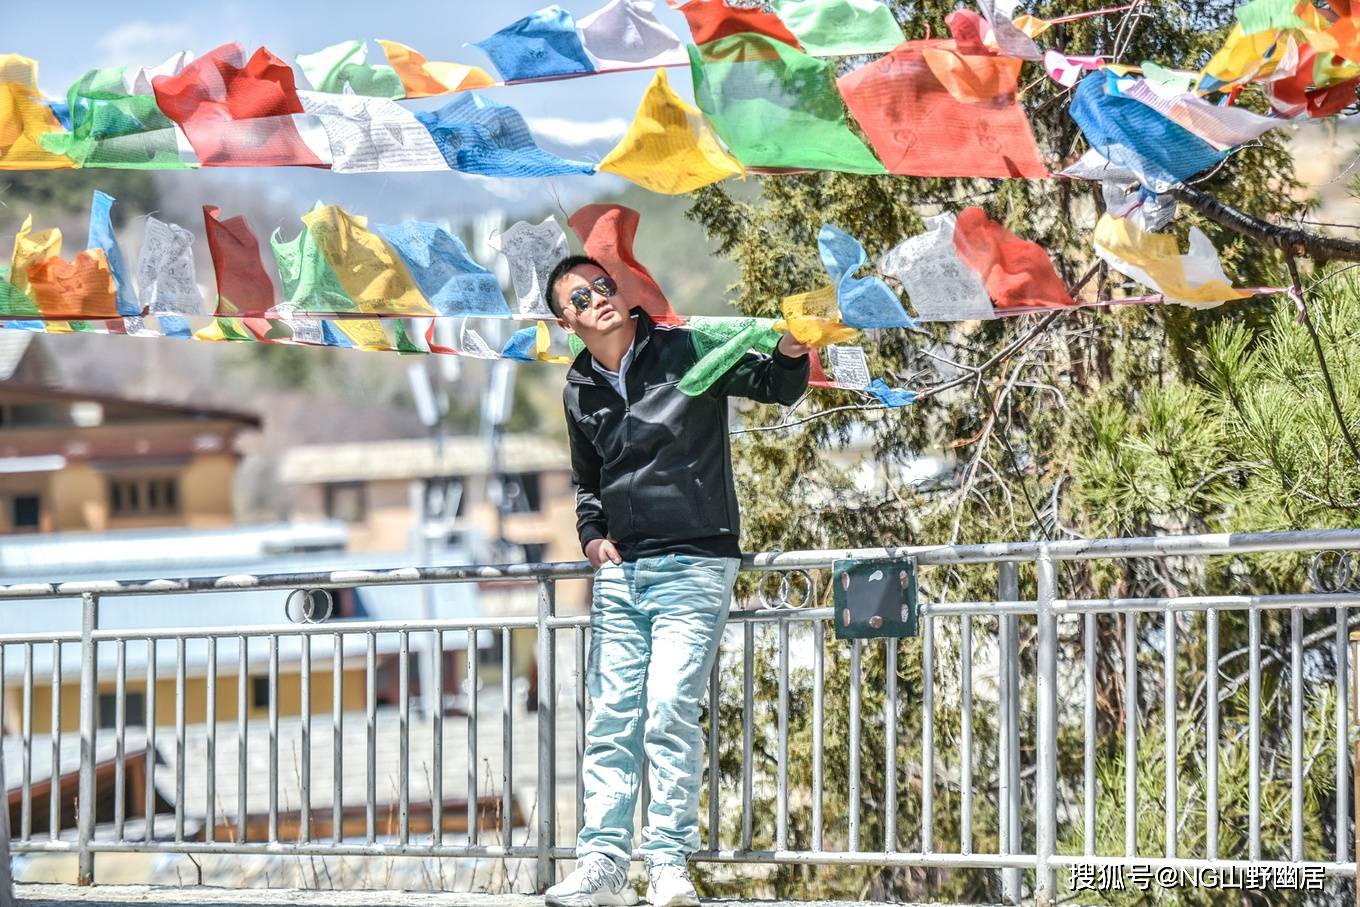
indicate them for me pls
(1296, 290)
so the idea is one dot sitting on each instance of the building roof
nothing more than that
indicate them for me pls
(38, 392)
(417, 458)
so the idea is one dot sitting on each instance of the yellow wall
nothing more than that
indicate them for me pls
(195, 702)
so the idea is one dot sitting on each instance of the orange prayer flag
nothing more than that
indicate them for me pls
(1016, 272)
(80, 289)
(424, 79)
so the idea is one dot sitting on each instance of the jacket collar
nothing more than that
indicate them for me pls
(583, 372)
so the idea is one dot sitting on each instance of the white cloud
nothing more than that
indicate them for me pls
(144, 43)
(577, 133)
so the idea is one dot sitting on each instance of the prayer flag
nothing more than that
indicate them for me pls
(237, 112)
(480, 136)
(447, 276)
(422, 78)
(941, 287)
(541, 45)
(864, 302)
(1152, 259)
(625, 34)
(1016, 272)
(670, 147)
(931, 110)
(368, 270)
(533, 250)
(165, 270)
(342, 67)
(1133, 135)
(606, 233)
(840, 27)
(101, 237)
(775, 106)
(243, 286)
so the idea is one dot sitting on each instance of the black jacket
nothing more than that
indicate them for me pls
(654, 472)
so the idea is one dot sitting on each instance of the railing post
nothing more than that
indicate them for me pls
(1046, 732)
(547, 736)
(89, 697)
(6, 881)
(1008, 731)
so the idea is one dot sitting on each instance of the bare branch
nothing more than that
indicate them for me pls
(1289, 240)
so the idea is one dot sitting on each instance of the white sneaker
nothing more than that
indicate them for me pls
(597, 880)
(668, 885)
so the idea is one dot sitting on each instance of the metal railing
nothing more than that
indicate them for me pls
(1027, 853)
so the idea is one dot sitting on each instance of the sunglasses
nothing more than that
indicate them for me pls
(580, 297)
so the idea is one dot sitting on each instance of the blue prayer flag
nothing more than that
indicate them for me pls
(1131, 134)
(101, 237)
(545, 43)
(444, 271)
(480, 136)
(522, 345)
(865, 302)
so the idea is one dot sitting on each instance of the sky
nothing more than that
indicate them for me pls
(578, 118)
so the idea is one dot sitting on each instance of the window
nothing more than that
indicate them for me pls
(347, 501)
(523, 493)
(134, 709)
(443, 498)
(25, 512)
(259, 692)
(143, 496)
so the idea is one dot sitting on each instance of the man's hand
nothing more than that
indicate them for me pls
(789, 346)
(598, 551)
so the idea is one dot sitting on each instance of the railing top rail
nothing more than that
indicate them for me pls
(992, 552)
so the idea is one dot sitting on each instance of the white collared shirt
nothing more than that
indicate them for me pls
(616, 379)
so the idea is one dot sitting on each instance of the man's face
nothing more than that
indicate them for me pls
(602, 316)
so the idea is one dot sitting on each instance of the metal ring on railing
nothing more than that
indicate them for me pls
(307, 609)
(1333, 571)
(783, 598)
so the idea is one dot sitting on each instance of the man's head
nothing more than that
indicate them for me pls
(583, 296)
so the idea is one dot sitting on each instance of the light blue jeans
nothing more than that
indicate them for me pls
(655, 624)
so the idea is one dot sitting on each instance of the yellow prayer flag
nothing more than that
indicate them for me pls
(368, 270)
(670, 147)
(814, 318)
(31, 248)
(19, 69)
(365, 333)
(1154, 259)
(23, 118)
(1240, 58)
(424, 78)
(542, 341)
(1032, 26)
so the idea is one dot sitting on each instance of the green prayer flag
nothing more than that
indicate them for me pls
(721, 343)
(112, 127)
(309, 281)
(14, 302)
(840, 27)
(332, 68)
(1267, 15)
(775, 106)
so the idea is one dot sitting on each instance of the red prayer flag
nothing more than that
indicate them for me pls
(243, 285)
(710, 20)
(237, 112)
(1018, 274)
(607, 232)
(968, 29)
(922, 112)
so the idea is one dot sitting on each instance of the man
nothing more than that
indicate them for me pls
(657, 515)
